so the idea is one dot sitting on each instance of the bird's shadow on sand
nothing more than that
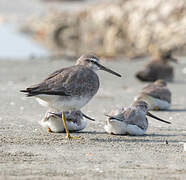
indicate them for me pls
(127, 138)
(91, 132)
(147, 138)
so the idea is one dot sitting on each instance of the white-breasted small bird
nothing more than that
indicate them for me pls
(76, 121)
(130, 121)
(158, 68)
(156, 95)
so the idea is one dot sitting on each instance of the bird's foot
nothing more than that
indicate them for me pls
(49, 130)
(156, 108)
(68, 136)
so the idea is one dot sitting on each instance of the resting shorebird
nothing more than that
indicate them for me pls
(75, 121)
(71, 88)
(130, 121)
(156, 95)
(158, 68)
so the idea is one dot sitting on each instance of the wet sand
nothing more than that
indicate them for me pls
(29, 152)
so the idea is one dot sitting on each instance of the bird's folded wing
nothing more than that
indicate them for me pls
(157, 92)
(53, 85)
(71, 81)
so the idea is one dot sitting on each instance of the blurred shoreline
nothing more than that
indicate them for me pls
(128, 28)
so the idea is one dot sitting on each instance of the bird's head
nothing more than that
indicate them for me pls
(92, 61)
(142, 105)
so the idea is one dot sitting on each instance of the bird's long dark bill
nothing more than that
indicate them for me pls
(60, 115)
(151, 115)
(108, 70)
(88, 117)
(111, 117)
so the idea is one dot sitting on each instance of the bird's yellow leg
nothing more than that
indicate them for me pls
(156, 108)
(65, 126)
(66, 129)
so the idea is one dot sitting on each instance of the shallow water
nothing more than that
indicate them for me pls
(14, 45)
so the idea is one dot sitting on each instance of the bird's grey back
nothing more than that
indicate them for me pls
(136, 116)
(73, 116)
(75, 80)
(160, 92)
(159, 70)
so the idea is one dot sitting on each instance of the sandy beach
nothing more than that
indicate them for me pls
(29, 152)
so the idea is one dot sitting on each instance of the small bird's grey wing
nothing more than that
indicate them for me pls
(135, 117)
(149, 88)
(117, 112)
(129, 115)
(162, 93)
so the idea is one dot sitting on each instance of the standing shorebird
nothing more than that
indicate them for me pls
(71, 88)
(156, 95)
(158, 68)
(130, 121)
(75, 121)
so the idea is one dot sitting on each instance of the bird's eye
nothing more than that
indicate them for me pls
(91, 60)
(88, 60)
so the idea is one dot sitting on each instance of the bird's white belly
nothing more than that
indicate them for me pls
(154, 103)
(56, 124)
(121, 128)
(135, 130)
(115, 127)
(60, 103)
